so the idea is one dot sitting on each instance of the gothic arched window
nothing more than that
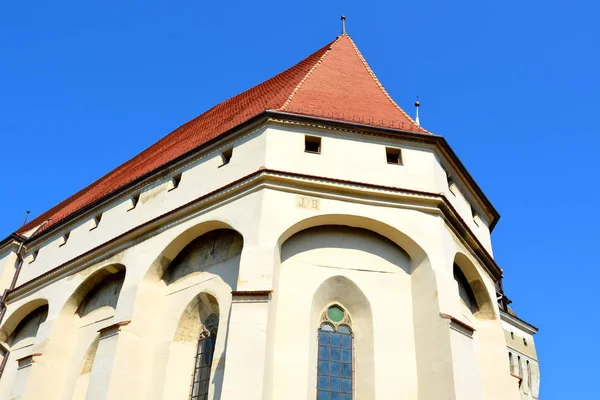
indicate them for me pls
(204, 358)
(336, 358)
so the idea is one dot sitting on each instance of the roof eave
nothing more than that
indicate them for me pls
(518, 322)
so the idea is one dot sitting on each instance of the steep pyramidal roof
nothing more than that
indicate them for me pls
(335, 82)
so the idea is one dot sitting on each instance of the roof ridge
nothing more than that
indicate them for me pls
(308, 74)
(378, 83)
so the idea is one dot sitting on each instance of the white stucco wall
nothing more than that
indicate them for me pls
(393, 273)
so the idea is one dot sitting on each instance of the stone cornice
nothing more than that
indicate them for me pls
(518, 323)
(250, 126)
(278, 180)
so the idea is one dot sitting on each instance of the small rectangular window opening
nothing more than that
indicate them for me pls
(175, 180)
(312, 144)
(34, 255)
(96, 221)
(475, 215)
(393, 155)
(134, 201)
(64, 239)
(226, 157)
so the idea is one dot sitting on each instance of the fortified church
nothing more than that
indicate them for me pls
(305, 239)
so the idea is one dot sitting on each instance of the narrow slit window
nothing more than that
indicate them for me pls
(175, 181)
(95, 222)
(520, 367)
(226, 157)
(393, 155)
(133, 201)
(312, 144)
(529, 375)
(450, 182)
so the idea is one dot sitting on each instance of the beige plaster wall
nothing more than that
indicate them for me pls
(346, 156)
(388, 262)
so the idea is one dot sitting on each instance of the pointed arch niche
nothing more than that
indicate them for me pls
(193, 371)
(472, 291)
(191, 283)
(88, 310)
(360, 271)
(18, 337)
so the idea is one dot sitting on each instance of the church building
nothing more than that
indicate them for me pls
(304, 240)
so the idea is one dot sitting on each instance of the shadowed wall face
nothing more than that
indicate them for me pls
(29, 326)
(104, 294)
(205, 252)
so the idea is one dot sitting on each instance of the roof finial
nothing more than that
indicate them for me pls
(343, 25)
(417, 105)
(25, 219)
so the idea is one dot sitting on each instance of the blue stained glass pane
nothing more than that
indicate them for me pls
(344, 329)
(324, 337)
(346, 385)
(334, 384)
(334, 396)
(346, 396)
(323, 367)
(346, 341)
(334, 369)
(322, 395)
(323, 352)
(335, 353)
(347, 370)
(323, 382)
(336, 339)
(346, 355)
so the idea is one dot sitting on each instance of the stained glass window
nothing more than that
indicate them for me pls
(335, 358)
(204, 359)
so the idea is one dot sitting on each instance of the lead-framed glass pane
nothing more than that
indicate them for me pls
(204, 358)
(334, 371)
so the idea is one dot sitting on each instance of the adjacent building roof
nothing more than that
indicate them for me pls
(335, 82)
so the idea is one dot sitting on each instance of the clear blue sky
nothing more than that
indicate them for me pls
(512, 85)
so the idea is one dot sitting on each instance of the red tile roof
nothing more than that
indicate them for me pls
(335, 82)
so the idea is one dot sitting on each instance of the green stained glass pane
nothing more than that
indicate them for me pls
(335, 313)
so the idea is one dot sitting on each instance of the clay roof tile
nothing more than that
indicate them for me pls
(334, 82)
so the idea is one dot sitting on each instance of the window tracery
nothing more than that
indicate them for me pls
(336, 355)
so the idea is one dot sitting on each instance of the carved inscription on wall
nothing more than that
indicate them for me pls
(309, 203)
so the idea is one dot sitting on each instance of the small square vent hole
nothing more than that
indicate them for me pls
(312, 144)
(393, 155)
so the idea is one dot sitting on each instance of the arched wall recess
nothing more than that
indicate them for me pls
(190, 369)
(164, 259)
(206, 253)
(90, 307)
(309, 252)
(472, 289)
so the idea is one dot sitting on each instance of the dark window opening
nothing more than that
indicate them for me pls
(96, 221)
(134, 201)
(312, 144)
(34, 255)
(226, 157)
(175, 180)
(65, 238)
(393, 156)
